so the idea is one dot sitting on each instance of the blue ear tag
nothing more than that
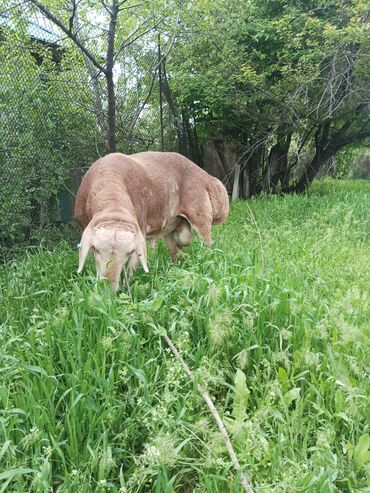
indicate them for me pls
(79, 246)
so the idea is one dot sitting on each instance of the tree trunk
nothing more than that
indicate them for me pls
(249, 172)
(277, 163)
(193, 150)
(184, 141)
(235, 193)
(198, 158)
(111, 113)
(219, 144)
(321, 155)
(250, 176)
(254, 168)
(113, 9)
(171, 105)
(93, 74)
(244, 186)
(160, 92)
(332, 167)
(310, 172)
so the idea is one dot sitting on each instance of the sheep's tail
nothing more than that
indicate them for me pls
(219, 201)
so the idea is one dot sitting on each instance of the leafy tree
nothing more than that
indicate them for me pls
(55, 110)
(104, 43)
(278, 79)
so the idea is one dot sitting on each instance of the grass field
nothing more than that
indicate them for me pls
(274, 319)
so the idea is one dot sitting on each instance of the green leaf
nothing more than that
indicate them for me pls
(283, 378)
(339, 401)
(4, 448)
(241, 396)
(344, 417)
(12, 473)
(348, 449)
(292, 395)
(34, 369)
(139, 374)
(75, 402)
(361, 453)
(282, 375)
(156, 305)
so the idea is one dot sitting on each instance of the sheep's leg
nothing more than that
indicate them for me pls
(133, 262)
(171, 245)
(203, 228)
(200, 216)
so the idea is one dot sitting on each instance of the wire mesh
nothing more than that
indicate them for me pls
(49, 127)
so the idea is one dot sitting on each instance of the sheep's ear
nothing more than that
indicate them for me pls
(141, 250)
(85, 246)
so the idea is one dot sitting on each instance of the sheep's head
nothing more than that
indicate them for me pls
(113, 247)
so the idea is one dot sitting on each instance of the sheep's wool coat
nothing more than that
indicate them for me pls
(152, 191)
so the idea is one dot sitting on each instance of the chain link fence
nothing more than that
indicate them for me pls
(49, 130)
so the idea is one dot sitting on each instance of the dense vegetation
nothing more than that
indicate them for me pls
(284, 84)
(44, 135)
(272, 319)
(285, 81)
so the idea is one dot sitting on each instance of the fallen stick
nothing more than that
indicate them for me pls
(206, 397)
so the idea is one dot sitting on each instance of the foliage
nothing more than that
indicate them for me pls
(273, 319)
(286, 82)
(54, 105)
(45, 131)
(274, 71)
(361, 165)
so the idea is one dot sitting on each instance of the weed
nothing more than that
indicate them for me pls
(273, 318)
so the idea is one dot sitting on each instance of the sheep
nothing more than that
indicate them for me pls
(125, 199)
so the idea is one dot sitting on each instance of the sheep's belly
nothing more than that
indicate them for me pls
(167, 228)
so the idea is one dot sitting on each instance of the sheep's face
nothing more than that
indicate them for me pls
(112, 248)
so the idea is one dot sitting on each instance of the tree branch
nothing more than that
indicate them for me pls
(109, 77)
(71, 19)
(206, 397)
(68, 32)
(129, 41)
(143, 104)
(129, 7)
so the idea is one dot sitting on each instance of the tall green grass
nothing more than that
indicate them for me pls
(274, 319)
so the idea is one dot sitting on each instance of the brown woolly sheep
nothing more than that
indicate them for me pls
(122, 200)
